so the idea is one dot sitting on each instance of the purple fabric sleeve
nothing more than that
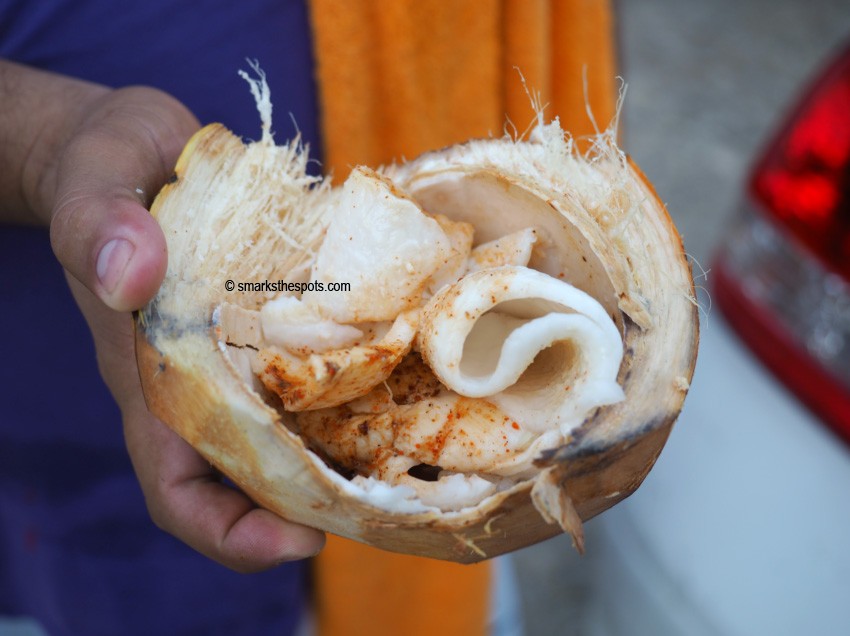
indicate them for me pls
(77, 549)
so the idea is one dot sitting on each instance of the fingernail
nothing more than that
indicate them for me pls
(112, 261)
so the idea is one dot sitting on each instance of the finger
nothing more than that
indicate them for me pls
(100, 230)
(224, 524)
(112, 245)
(186, 499)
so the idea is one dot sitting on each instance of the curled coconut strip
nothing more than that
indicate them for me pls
(543, 351)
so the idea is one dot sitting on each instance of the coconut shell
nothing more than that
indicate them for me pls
(248, 212)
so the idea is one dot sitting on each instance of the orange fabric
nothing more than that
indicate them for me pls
(583, 39)
(397, 78)
(361, 591)
(401, 77)
(552, 42)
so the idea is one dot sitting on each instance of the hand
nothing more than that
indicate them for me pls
(110, 162)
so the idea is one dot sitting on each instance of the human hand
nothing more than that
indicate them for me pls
(106, 163)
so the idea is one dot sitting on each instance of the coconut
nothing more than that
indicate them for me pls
(452, 357)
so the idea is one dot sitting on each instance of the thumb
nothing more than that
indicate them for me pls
(119, 157)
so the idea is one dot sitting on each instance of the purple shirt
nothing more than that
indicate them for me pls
(78, 550)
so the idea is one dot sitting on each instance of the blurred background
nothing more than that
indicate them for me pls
(743, 527)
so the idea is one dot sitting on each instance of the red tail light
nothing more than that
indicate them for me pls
(783, 277)
(804, 177)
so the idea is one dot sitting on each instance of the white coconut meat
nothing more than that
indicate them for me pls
(379, 242)
(298, 326)
(545, 352)
(514, 359)
(307, 380)
(513, 249)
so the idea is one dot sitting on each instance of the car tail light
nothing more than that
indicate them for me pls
(782, 278)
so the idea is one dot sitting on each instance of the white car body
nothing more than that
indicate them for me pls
(742, 527)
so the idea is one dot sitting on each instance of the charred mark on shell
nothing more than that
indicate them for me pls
(156, 324)
(605, 452)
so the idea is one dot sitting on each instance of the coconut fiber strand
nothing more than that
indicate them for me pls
(397, 78)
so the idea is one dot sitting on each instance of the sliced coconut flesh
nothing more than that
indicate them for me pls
(460, 237)
(334, 377)
(512, 359)
(383, 246)
(513, 249)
